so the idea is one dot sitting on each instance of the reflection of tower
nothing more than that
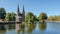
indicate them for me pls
(20, 29)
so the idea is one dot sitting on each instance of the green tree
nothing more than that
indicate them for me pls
(10, 17)
(30, 17)
(42, 16)
(2, 13)
(54, 18)
(13, 16)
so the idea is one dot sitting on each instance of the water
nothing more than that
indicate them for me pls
(39, 28)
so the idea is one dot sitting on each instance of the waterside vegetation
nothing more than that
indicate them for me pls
(29, 17)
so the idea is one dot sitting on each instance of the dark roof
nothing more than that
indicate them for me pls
(20, 14)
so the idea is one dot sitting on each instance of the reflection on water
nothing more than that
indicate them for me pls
(11, 26)
(2, 31)
(30, 28)
(2, 27)
(20, 29)
(42, 26)
(25, 29)
(36, 28)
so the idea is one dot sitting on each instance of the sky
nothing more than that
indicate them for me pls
(50, 7)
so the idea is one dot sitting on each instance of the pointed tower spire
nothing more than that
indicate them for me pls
(23, 14)
(18, 14)
(18, 8)
(18, 11)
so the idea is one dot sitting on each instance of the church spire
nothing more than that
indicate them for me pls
(18, 8)
(18, 14)
(18, 11)
(23, 12)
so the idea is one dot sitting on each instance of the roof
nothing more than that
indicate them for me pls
(20, 14)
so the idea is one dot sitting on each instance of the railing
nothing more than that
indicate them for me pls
(9, 22)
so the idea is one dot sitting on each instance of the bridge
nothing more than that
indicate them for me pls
(10, 22)
(17, 24)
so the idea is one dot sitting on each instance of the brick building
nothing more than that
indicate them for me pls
(20, 17)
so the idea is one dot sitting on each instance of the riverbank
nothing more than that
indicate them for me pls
(53, 21)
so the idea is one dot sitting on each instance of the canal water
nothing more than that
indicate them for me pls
(37, 28)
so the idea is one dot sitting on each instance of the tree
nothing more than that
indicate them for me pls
(2, 13)
(10, 17)
(30, 17)
(54, 18)
(13, 16)
(42, 16)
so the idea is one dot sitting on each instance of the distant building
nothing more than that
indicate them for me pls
(20, 17)
(1, 20)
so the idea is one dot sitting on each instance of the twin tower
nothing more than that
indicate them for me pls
(20, 17)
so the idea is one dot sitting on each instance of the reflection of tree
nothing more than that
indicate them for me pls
(2, 27)
(11, 26)
(42, 26)
(30, 27)
(2, 31)
(19, 31)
